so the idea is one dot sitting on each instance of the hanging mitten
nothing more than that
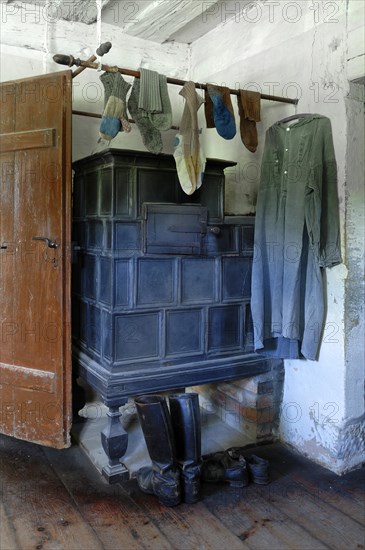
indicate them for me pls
(116, 89)
(249, 107)
(223, 113)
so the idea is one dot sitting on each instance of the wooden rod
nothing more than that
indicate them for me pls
(69, 60)
(102, 50)
(96, 115)
(81, 69)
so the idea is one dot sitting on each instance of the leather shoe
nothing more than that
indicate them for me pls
(258, 469)
(220, 467)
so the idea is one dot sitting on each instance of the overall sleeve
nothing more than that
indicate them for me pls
(330, 248)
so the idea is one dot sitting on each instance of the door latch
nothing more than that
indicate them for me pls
(50, 243)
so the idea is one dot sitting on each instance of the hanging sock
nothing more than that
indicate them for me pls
(249, 107)
(219, 111)
(154, 100)
(116, 89)
(203, 162)
(183, 166)
(163, 120)
(149, 99)
(150, 135)
(186, 171)
(126, 125)
(190, 160)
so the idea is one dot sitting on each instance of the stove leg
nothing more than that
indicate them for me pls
(114, 440)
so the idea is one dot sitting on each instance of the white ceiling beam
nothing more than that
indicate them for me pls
(160, 19)
(82, 11)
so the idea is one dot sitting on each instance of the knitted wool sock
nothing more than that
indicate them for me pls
(209, 110)
(189, 130)
(116, 89)
(163, 121)
(149, 99)
(223, 116)
(184, 167)
(209, 107)
(203, 162)
(249, 107)
(150, 135)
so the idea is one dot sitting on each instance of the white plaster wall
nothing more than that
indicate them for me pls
(30, 36)
(298, 49)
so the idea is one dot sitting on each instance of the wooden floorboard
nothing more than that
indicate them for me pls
(108, 508)
(344, 494)
(39, 511)
(255, 519)
(57, 500)
(8, 537)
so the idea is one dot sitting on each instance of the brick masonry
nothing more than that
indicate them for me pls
(251, 405)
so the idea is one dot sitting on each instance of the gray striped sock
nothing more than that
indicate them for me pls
(150, 96)
(163, 121)
(150, 135)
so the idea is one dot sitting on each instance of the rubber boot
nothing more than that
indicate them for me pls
(185, 416)
(163, 479)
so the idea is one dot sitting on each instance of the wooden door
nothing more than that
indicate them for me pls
(35, 205)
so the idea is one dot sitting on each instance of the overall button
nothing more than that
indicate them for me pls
(288, 129)
(285, 172)
(286, 150)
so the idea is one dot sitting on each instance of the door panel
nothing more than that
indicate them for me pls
(35, 355)
(7, 125)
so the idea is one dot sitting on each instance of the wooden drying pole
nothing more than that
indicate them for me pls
(70, 61)
(102, 50)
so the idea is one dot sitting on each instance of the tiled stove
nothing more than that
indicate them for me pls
(161, 283)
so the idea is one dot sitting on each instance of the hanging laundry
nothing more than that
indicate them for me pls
(296, 235)
(151, 136)
(150, 106)
(149, 95)
(115, 88)
(163, 121)
(154, 100)
(115, 111)
(249, 107)
(219, 111)
(189, 157)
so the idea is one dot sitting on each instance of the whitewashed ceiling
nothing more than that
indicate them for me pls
(157, 20)
(172, 20)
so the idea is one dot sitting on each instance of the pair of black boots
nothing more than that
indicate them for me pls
(173, 439)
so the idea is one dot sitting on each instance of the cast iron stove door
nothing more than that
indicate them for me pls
(174, 229)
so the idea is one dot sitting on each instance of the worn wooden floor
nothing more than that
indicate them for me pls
(57, 500)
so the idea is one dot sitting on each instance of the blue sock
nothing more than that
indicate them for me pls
(223, 119)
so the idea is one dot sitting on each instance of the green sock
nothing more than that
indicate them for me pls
(163, 121)
(116, 89)
(150, 135)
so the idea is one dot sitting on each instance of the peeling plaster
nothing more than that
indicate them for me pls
(335, 44)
